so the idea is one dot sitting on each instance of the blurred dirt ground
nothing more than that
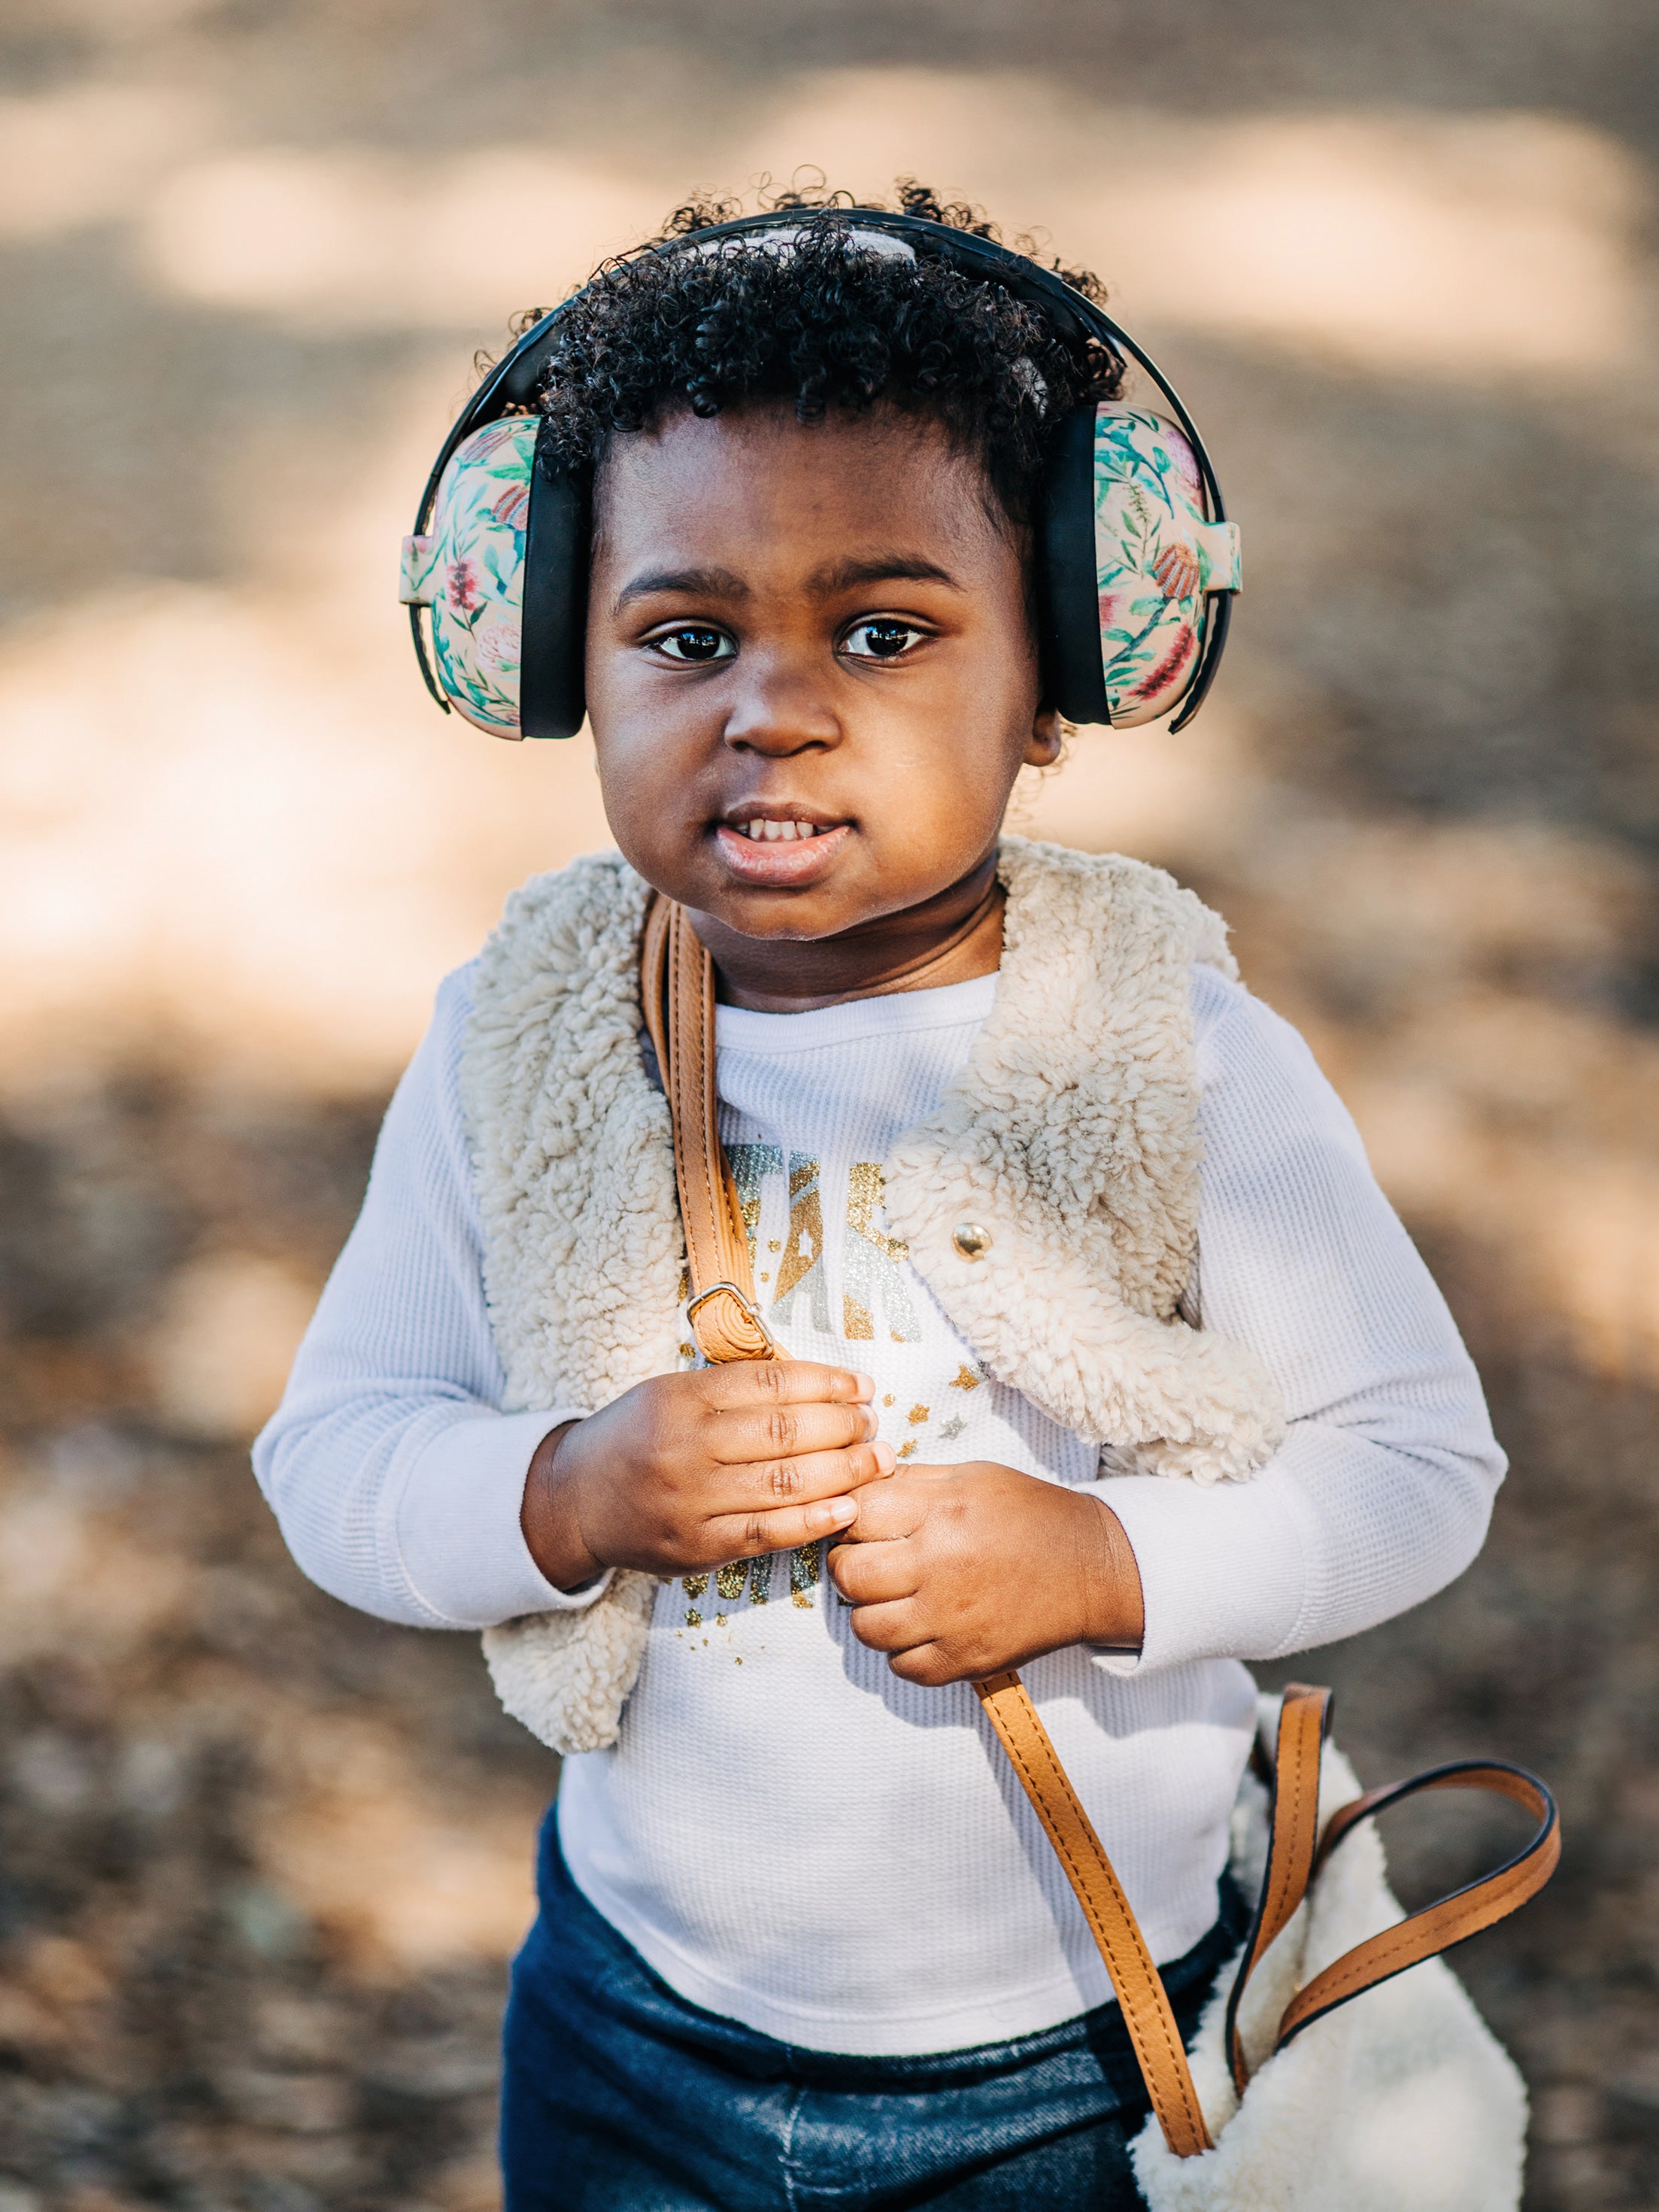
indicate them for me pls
(262, 1860)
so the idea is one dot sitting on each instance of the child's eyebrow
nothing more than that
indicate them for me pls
(700, 583)
(824, 583)
(878, 569)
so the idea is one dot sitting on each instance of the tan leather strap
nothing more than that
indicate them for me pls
(678, 989)
(1294, 1861)
(1141, 1992)
(1449, 1920)
(1292, 1837)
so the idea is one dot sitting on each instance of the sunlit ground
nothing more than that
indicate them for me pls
(268, 1860)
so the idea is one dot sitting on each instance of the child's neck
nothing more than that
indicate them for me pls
(947, 939)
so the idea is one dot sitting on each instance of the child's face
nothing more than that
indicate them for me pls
(818, 625)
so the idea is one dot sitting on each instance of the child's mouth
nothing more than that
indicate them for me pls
(780, 849)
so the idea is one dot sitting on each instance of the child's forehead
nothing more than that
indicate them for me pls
(821, 496)
(761, 448)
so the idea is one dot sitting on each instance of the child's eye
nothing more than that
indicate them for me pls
(694, 642)
(884, 637)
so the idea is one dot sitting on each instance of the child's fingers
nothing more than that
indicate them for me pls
(741, 1383)
(934, 1665)
(893, 1510)
(874, 1574)
(742, 1535)
(897, 1626)
(762, 1485)
(747, 1435)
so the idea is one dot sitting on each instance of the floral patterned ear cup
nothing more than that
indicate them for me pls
(1156, 557)
(470, 571)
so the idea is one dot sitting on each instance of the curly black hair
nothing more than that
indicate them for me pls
(827, 324)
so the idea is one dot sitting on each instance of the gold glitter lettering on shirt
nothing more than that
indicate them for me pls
(905, 1450)
(759, 1579)
(872, 1285)
(800, 1270)
(750, 1163)
(696, 1585)
(917, 1415)
(693, 1618)
(950, 1430)
(965, 1379)
(803, 1575)
(730, 1580)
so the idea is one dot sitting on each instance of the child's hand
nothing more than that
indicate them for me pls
(961, 1572)
(688, 1471)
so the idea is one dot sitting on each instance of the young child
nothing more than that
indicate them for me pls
(1108, 1359)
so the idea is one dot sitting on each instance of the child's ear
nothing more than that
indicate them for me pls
(1048, 738)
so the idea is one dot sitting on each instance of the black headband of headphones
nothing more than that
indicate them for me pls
(555, 584)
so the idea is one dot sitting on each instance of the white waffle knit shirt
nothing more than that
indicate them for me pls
(791, 1835)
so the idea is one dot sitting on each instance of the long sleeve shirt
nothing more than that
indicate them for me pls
(789, 1834)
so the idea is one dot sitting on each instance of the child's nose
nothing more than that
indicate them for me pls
(779, 711)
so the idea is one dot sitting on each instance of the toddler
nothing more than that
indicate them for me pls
(1107, 1357)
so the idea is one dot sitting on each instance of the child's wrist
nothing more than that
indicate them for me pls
(551, 1526)
(1115, 1603)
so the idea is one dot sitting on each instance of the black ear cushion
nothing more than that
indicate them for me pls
(553, 644)
(1068, 592)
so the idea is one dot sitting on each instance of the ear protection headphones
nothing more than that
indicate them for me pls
(1137, 561)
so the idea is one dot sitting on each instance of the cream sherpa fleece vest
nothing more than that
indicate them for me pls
(1071, 1136)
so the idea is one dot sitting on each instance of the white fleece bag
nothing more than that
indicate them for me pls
(1402, 2102)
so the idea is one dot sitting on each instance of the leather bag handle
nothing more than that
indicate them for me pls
(1142, 1995)
(1296, 1852)
(1304, 1719)
(677, 979)
(1449, 1920)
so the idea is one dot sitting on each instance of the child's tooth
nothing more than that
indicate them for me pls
(760, 830)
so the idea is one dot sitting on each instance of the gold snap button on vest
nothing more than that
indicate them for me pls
(971, 1240)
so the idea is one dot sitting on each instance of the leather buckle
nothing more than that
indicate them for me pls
(746, 1305)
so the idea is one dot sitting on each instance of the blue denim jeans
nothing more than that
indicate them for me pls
(619, 2094)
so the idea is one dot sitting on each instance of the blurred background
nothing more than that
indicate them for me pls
(262, 1861)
